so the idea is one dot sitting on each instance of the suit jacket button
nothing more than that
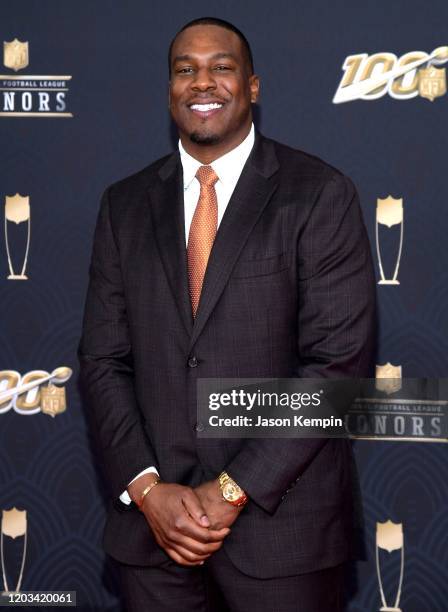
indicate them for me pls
(199, 427)
(192, 362)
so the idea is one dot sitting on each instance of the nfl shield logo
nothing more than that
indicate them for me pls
(15, 54)
(388, 378)
(432, 82)
(53, 400)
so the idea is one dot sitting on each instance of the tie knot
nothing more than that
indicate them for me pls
(206, 176)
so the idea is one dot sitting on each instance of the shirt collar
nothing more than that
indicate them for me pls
(228, 167)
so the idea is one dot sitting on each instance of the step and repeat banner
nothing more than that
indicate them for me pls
(83, 103)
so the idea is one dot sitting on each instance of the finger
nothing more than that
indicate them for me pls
(187, 526)
(198, 548)
(178, 559)
(195, 509)
(188, 555)
(184, 557)
(175, 540)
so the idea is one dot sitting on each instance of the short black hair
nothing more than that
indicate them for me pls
(222, 24)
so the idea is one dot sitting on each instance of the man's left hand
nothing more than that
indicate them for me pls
(220, 512)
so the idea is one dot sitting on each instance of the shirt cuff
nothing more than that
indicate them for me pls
(124, 497)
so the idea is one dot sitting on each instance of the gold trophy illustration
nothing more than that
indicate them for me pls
(389, 212)
(17, 210)
(389, 536)
(14, 524)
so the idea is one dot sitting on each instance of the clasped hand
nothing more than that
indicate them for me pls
(189, 524)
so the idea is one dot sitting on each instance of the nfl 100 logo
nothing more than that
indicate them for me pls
(369, 77)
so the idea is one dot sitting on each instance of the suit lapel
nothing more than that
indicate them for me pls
(253, 191)
(167, 211)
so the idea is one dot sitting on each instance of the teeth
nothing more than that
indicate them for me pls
(205, 107)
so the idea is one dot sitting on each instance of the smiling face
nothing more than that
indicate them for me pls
(211, 91)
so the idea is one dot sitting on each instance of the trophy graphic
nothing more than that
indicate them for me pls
(389, 536)
(389, 212)
(14, 524)
(17, 209)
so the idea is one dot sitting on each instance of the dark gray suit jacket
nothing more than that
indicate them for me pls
(289, 291)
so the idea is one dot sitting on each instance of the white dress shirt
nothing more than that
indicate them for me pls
(228, 167)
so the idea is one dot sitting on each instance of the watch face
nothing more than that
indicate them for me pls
(231, 491)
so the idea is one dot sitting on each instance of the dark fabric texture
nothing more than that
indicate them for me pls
(219, 586)
(289, 291)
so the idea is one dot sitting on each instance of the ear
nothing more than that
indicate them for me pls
(254, 86)
(169, 94)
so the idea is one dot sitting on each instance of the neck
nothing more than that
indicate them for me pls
(206, 154)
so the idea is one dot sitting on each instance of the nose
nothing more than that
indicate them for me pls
(203, 81)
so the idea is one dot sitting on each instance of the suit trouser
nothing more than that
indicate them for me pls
(218, 586)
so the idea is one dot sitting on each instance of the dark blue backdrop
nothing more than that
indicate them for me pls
(116, 55)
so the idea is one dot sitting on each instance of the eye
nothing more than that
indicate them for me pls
(222, 68)
(184, 70)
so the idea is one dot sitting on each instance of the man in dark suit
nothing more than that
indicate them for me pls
(235, 256)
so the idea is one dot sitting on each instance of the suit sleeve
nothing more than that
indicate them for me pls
(106, 365)
(336, 338)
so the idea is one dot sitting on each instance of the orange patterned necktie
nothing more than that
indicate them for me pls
(202, 233)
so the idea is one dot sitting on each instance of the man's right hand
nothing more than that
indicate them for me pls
(178, 521)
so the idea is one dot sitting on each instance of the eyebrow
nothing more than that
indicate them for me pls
(220, 55)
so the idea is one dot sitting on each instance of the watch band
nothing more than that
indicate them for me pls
(229, 488)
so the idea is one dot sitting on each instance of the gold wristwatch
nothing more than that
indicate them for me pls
(231, 492)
